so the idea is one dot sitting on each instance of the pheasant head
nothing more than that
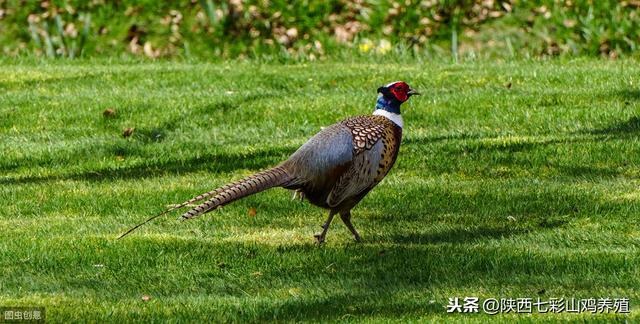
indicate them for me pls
(391, 97)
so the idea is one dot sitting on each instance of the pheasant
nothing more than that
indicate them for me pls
(334, 170)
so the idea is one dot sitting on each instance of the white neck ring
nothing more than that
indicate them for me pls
(395, 118)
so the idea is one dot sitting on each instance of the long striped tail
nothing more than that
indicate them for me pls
(253, 184)
(264, 180)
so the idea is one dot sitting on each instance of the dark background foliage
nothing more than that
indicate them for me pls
(315, 29)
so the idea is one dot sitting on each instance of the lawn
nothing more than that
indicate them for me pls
(515, 180)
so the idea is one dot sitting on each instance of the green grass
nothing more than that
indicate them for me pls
(527, 190)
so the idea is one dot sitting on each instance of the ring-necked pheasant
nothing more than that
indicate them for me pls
(334, 170)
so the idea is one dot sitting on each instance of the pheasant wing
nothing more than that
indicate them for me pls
(361, 176)
(368, 151)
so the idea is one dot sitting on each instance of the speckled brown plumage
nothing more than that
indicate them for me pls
(362, 176)
(367, 130)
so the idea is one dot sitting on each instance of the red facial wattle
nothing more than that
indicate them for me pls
(400, 90)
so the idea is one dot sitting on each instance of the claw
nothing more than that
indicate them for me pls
(297, 194)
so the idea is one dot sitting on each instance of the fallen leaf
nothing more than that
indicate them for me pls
(109, 112)
(128, 131)
(146, 298)
(252, 212)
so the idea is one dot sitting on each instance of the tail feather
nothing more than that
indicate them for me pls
(275, 177)
(195, 199)
(174, 207)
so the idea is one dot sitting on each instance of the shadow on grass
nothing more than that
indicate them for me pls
(626, 94)
(476, 234)
(253, 281)
(411, 140)
(622, 129)
(214, 162)
(30, 83)
(627, 128)
(489, 212)
(512, 156)
(147, 136)
(331, 282)
(160, 132)
(347, 306)
(582, 171)
(457, 235)
(470, 143)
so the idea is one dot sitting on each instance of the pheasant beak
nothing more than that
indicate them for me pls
(413, 93)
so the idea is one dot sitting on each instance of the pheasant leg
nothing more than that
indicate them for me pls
(298, 194)
(320, 236)
(346, 218)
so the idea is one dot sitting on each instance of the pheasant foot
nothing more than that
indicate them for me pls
(346, 219)
(320, 237)
(297, 194)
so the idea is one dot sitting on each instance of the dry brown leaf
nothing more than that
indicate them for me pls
(109, 112)
(128, 131)
(252, 212)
